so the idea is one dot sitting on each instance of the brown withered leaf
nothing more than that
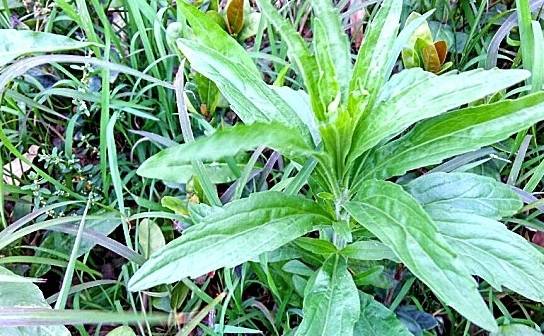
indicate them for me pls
(235, 16)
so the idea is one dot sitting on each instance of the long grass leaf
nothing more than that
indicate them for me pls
(69, 272)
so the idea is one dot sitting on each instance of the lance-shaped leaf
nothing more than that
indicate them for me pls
(370, 71)
(332, 51)
(150, 237)
(25, 295)
(377, 320)
(300, 103)
(331, 304)
(230, 236)
(250, 97)
(298, 52)
(336, 136)
(328, 84)
(218, 172)
(426, 97)
(491, 251)
(368, 250)
(465, 130)
(15, 43)
(399, 221)
(208, 33)
(464, 207)
(227, 142)
(233, 71)
(465, 193)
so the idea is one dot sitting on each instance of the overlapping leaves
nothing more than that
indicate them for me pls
(443, 227)
(230, 236)
(465, 208)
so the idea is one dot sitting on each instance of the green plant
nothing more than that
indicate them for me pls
(423, 52)
(355, 130)
(51, 103)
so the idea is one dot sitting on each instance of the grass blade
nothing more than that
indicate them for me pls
(207, 186)
(69, 272)
(21, 317)
(189, 327)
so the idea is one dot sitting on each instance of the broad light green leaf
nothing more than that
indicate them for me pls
(299, 54)
(368, 250)
(286, 252)
(15, 43)
(218, 172)
(150, 237)
(250, 97)
(175, 204)
(122, 331)
(331, 304)
(370, 71)
(329, 87)
(219, 57)
(332, 51)
(459, 203)
(516, 330)
(377, 320)
(454, 133)
(300, 103)
(316, 246)
(297, 267)
(224, 143)
(464, 193)
(427, 97)
(208, 33)
(398, 220)
(490, 250)
(402, 82)
(230, 236)
(25, 295)
(337, 137)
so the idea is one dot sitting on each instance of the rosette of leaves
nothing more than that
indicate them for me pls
(355, 128)
(422, 51)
